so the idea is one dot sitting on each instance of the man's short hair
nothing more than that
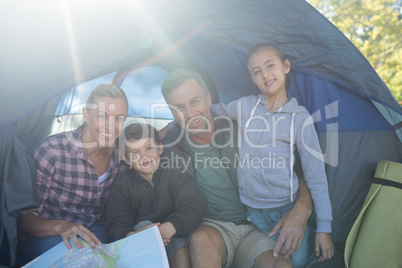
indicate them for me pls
(178, 77)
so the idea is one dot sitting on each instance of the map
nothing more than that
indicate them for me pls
(143, 249)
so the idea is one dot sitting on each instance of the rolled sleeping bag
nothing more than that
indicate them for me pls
(375, 239)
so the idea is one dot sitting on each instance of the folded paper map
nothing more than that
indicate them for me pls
(143, 249)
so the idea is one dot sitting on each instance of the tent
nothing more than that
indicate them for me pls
(54, 52)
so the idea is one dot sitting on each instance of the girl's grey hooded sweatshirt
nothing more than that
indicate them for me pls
(267, 143)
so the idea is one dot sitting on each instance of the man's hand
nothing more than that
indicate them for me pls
(68, 230)
(292, 227)
(293, 224)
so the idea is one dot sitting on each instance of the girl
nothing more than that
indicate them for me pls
(273, 127)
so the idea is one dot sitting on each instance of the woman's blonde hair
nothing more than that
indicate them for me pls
(107, 90)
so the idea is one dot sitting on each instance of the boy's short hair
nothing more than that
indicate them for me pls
(140, 131)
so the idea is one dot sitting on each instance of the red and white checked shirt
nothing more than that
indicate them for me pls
(67, 181)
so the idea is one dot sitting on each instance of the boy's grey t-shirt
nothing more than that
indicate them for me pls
(215, 185)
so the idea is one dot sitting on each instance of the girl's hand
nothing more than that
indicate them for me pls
(323, 242)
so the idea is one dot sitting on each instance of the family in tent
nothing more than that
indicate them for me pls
(219, 206)
(237, 178)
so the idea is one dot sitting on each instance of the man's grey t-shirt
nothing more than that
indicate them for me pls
(214, 183)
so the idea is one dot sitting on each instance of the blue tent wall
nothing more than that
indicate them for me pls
(356, 113)
(311, 41)
(52, 46)
(364, 138)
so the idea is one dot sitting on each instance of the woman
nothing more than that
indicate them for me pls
(75, 170)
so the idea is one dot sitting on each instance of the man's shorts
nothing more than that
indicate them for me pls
(244, 242)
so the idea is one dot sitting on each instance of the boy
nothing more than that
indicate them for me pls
(153, 192)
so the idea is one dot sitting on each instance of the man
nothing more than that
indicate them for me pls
(207, 146)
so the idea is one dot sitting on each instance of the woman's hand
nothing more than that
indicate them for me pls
(36, 226)
(68, 230)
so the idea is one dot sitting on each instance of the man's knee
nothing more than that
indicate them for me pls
(206, 236)
(198, 237)
(207, 246)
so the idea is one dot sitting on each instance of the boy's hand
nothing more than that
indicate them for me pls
(167, 230)
(323, 242)
(144, 228)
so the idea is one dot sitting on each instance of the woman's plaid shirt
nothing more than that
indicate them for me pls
(67, 181)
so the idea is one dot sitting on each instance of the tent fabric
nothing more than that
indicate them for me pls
(349, 181)
(353, 113)
(311, 41)
(17, 191)
(55, 52)
(393, 118)
(53, 46)
(32, 129)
